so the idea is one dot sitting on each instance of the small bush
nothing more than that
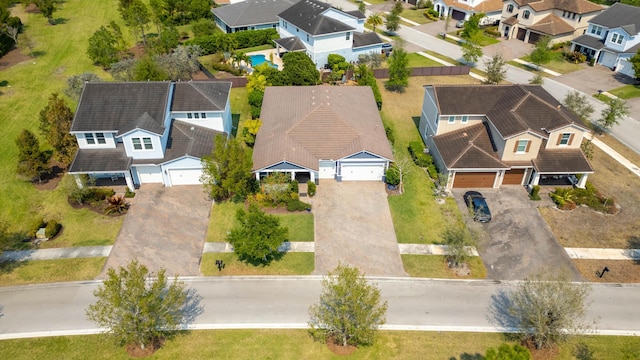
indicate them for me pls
(52, 229)
(431, 14)
(117, 204)
(293, 186)
(297, 205)
(392, 176)
(492, 32)
(226, 67)
(129, 194)
(432, 170)
(416, 150)
(390, 135)
(311, 188)
(535, 193)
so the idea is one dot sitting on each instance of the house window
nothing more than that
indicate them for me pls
(596, 30)
(284, 24)
(203, 115)
(452, 119)
(189, 116)
(307, 37)
(138, 143)
(522, 146)
(510, 8)
(148, 145)
(90, 139)
(573, 17)
(564, 14)
(526, 14)
(565, 139)
(348, 35)
(616, 38)
(465, 119)
(196, 115)
(100, 138)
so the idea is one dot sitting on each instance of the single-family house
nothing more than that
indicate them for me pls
(319, 30)
(561, 20)
(486, 136)
(463, 9)
(321, 132)
(250, 15)
(149, 132)
(612, 38)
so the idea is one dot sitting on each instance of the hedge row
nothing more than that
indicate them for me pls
(244, 39)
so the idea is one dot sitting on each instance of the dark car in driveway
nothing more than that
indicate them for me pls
(478, 204)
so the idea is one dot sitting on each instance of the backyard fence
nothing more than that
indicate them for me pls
(427, 71)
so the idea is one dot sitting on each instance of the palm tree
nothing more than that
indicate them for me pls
(375, 20)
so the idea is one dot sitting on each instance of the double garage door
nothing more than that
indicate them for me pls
(474, 180)
(362, 172)
(185, 176)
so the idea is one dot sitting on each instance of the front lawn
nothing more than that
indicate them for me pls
(558, 63)
(626, 92)
(292, 263)
(434, 266)
(416, 15)
(415, 60)
(300, 225)
(46, 271)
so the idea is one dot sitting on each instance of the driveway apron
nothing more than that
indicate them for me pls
(165, 228)
(353, 226)
(518, 242)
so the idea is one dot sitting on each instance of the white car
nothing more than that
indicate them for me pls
(460, 24)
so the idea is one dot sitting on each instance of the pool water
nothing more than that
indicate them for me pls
(259, 59)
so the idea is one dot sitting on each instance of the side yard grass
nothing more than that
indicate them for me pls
(434, 266)
(415, 60)
(47, 271)
(298, 263)
(558, 63)
(626, 92)
(297, 344)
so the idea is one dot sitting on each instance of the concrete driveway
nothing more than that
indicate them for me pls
(517, 242)
(353, 226)
(165, 227)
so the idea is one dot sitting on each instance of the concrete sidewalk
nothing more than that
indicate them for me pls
(60, 253)
(293, 246)
(603, 254)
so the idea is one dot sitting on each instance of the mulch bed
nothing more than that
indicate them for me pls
(51, 181)
(98, 209)
(542, 354)
(339, 349)
(136, 351)
(11, 58)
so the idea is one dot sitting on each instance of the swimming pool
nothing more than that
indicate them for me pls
(259, 59)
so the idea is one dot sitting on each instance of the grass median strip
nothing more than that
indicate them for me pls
(290, 264)
(46, 271)
(434, 266)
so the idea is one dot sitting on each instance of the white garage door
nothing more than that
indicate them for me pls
(355, 172)
(185, 176)
(327, 169)
(625, 67)
(609, 59)
(149, 174)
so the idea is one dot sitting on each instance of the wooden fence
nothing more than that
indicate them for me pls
(427, 71)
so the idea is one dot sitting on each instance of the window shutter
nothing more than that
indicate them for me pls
(528, 146)
(515, 147)
(570, 139)
(559, 139)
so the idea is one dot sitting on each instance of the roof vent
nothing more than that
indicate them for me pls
(192, 128)
(558, 107)
(465, 134)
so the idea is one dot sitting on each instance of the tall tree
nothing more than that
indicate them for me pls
(257, 237)
(508, 352)
(32, 162)
(75, 84)
(227, 171)
(138, 307)
(374, 20)
(103, 48)
(55, 125)
(350, 309)
(471, 51)
(147, 69)
(544, 309)
(472, 26)
(459, 244)
(298, 70)
(392, 22)
(579, 105)
(136, 16)
(47, 8)
(398, 71)
(496, 70)
(362, 7)
(613, 113)
(635, 62)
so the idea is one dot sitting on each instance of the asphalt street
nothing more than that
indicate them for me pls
(283, 302)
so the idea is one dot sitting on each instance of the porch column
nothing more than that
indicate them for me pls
(129, 180)
(78, 180)
(536, 178)
(258, 176)
(312, 175)
(583, 181)
(293, 175)
(573, 47)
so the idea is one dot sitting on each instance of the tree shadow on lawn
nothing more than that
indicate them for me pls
(416, 121)
(467, 356)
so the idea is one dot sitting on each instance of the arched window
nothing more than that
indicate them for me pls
(526, 14)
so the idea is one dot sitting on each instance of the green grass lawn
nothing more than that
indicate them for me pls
(255, 48)
(484, 40)
(557, 63)
(300, 225)
(297, 344)
(60, 52)
(626, 92)
(240, 107)
(297, 263)
(434, 266)
(46, 271)
(416, 15)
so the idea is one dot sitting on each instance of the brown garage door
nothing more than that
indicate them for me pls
(521, 34)
(533, 38)
(474, 180)
(513, 177)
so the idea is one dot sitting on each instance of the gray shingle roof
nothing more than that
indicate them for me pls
(303, 124)
(292, 43)
(121, 107)
(307, 16)
(252, 12)
(187, 139)
(589, 41)
(365, 39)
(357, 14)
(469, 148)
(200, 96)
(564, 161)
(100, 160)
(576, 6)
(620, 15)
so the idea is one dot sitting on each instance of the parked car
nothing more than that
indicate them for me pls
(478, 204)
(460, 24)
(387, 48)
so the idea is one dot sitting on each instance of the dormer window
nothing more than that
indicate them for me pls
(452, 119)
(92, 138)
(565, 139)
(510, 8)
(596, 30)
(522, 146)
(100, 138)
(139, 143)
(465, 119)
(526, 14)
(617, 38)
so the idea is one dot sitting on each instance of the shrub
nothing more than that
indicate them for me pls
(203, 27)
(335, 59)
(311, 188)
(390, 135)
(416, 150)
(492, 32)
(52, 229)
(431, 14)
(392, 176)
(117, 204)
(535, 193)
(129, 194)
(213, 43)
(293, 186)
(432, 170)
(6, 43)
(226, 67)
(297, 205)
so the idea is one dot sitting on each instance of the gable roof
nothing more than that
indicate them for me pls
(189, 140)
(308, 16)
(365, 39)
(512, 109)
(318, 123)
(121, 107)
(469, 148)
(200, 96)
(252, 12)
(561, 161)
(552, 25)
(356, 13)
(486, 6)
(292, 43)
(620, 15)
(100, 160)
(574, 6)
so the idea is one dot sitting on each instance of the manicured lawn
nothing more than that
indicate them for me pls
(627, 91)
(415, 16)
(558, 63)
(255, 48)
(240, 107)
(485, 40)
(61, 52)
(415, 60)
(290, 264)
(46, 271)
(297, 344)
(434, 266)
(223, 219)
(417, 218)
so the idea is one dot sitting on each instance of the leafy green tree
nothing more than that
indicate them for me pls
(545, 309)
(32, 162)
(392, 22)
(102, 48)
(459, 244)
(298, 70)
(47, 8)
(167, 40)
(250, 131)
(537, 79)
(508, 352)
(398, 71)
(375, 20)
(141, 308)
(147, 69)
(55, 126)
(579, 105)
(227, 171)
(541, 53)
(362, 7)
(257, 238)
(471, 51)
(75, 84)
(256, 82)
(496, 70)
(613, 113)
(136, 15)
(350, 309)
(635, 62)
(397, 8)
(472, 26)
